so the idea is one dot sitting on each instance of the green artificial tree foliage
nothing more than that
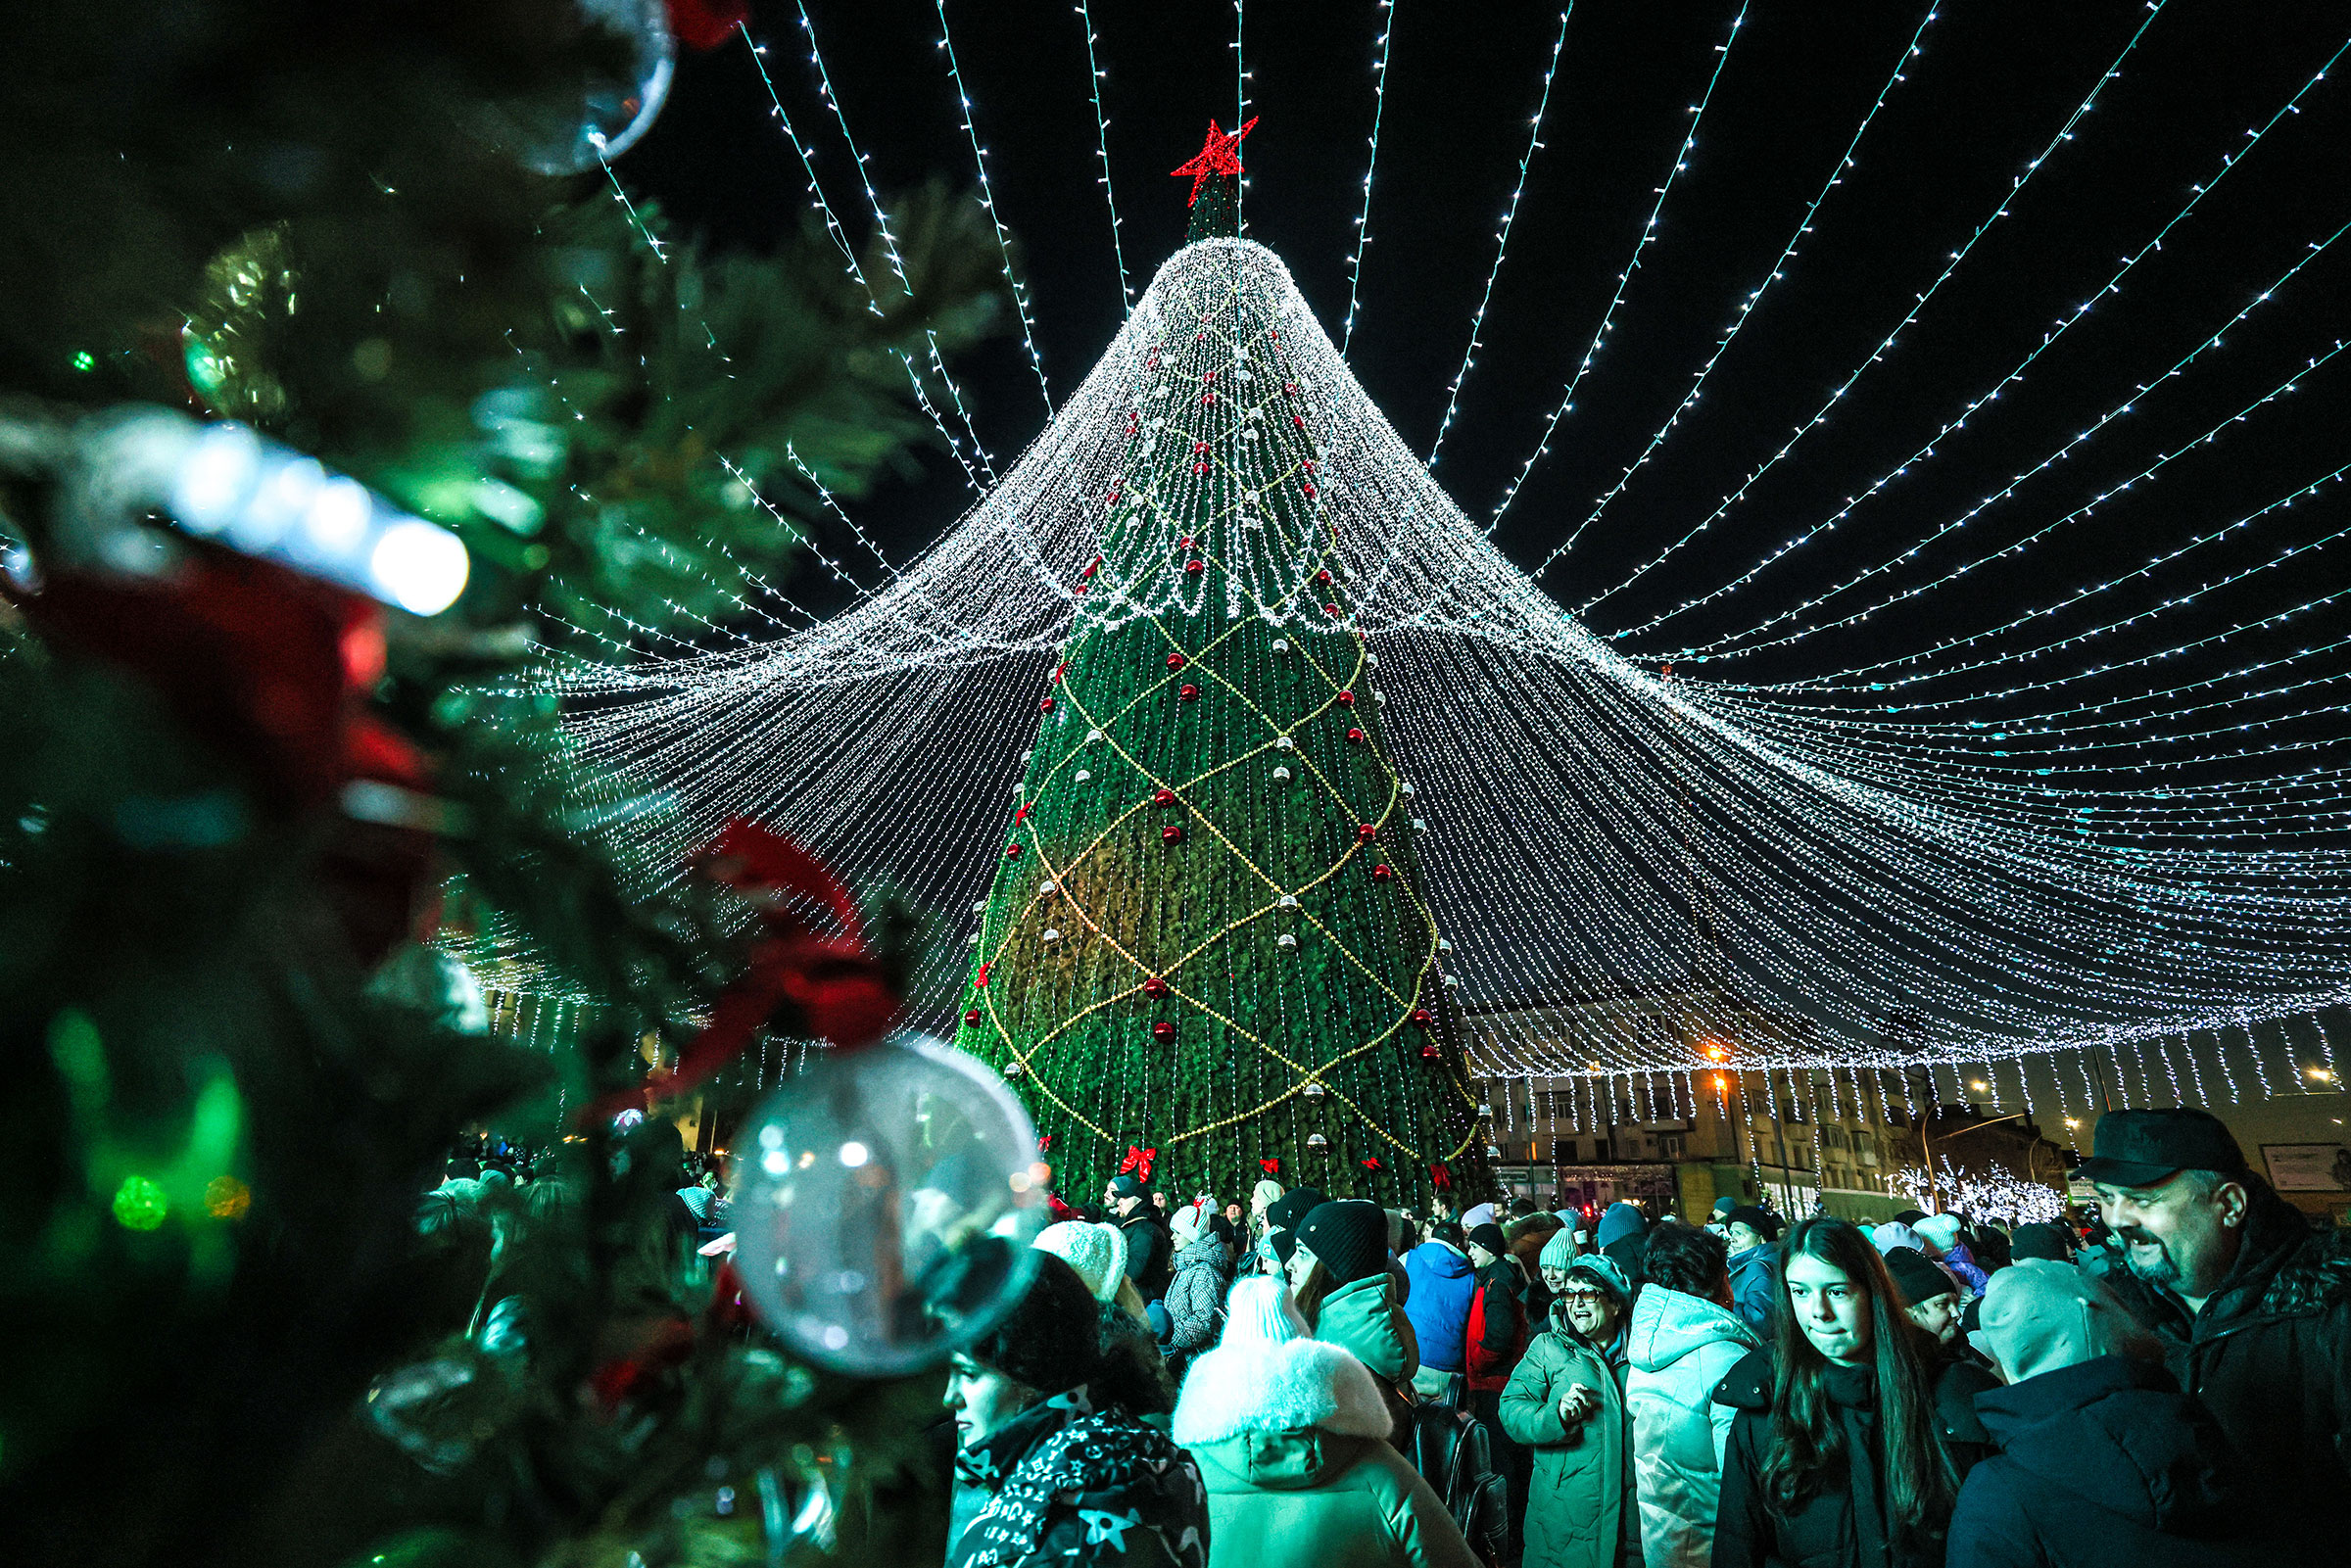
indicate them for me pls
(244, 820)
(1208, 936)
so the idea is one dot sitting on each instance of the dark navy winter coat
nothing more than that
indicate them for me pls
(2104, 1464)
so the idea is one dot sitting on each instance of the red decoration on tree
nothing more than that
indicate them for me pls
(1372, 1164)
(972, 1017)
(1330, 610)
(1044, 705)
(1012, 851)
(982, 979)
(1187, 693)
(1171, 834)
(829, 986)
(1138, 1163)
(701, 25)
(1432, 1053)
(1163, 797)
(1044, 1143)
(1424, 1016)
(1021, 815)
(1365, 833)
(1155, 986)
(1271, 1167)
(1440, 1177)
(1221, 154)
(1381, 874)
(1354, 737)
(1346, 699)
(1174, 661)
(1163, 1030)
(1195, 567)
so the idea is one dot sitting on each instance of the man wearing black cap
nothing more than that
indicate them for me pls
(2252, 1306)
(1150, 1253)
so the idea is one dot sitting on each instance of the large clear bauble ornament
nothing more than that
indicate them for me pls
(630, 56)
(885, 1203)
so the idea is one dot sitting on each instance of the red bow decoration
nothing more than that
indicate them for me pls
(1271, 1167)
(701, 25)
(1059, 1210)
(1138, 1163)
(1371, 1165)
(1440, 1177)
(1044, 1143)
(273, 669)
(832, 986)
(1221, 154)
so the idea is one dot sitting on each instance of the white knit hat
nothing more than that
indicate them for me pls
(1184, 1228)
(1259, 1313)
(1481, 1213)
(1097, 1252)
(1265, 1195)
(1940, 1229)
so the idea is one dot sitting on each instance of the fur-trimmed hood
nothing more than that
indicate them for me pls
(1288, 1386)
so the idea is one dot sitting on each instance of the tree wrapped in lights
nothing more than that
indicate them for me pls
(1207, 953)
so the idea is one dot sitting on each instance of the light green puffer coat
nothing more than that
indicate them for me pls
(1575, 1504)
(1363, 1319)
(1289, 1442)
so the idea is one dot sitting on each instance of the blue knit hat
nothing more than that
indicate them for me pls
(1559, 1251)
(1622, 1220)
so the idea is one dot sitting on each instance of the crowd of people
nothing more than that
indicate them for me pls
(1299, 1382)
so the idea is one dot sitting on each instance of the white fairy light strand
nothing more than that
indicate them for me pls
(2064, 324)
(1845, 164)
(1608, 318)
(1502, 238)
(2065, 133)
(987, 201)
(1110, 200)
(1362, 222)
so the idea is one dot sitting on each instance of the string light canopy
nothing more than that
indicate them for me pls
(1217, 713)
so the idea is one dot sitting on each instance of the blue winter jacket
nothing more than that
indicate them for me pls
(1756, 1286)
(1443, 1284)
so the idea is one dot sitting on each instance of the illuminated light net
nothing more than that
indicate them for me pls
(1590, 837)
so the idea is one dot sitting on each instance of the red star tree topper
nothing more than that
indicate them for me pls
(1221, 154)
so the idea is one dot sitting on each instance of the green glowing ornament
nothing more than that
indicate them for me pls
(140, 1204)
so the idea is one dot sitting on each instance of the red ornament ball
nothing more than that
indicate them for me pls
(1044, 705)
(1174, 661)
(1171, 834)
(1431, 1052)
(1356, 738)
(1323, 575)
(1365, 833)
(701, 25)
(1346, 699)
(1195, 567)
(1163, 797)
(972, 1017)
(1187, 693)
(1012, 851)
(1424, 1016)
(1155, 986)
(1383, 873)
(1163, 1030)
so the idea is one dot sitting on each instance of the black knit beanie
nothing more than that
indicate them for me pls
(1285, 1212)
(1285, 1242)
(2040, 1240)
(1916, 1276)
(1488, 1236)
(1038, 1346)
(1349, 1238)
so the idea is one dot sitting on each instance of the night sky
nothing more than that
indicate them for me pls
(1993, 83)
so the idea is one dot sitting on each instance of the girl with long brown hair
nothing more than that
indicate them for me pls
(1853, 1431)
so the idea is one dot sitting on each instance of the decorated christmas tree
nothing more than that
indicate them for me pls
(1208, 955)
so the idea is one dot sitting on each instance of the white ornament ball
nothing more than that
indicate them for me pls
(632, 55)
(884, 1204)
(1282, 774)
(1084, 776)
(1286, 939)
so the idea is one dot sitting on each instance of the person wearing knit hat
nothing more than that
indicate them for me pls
(1622, 1234)
(1284, 1213)
(1942, 1234)
(1050, 1402)
(1098, 1253)
(2102, 1459)
(1896, 1233)
(1291, 1439)
(1485, 1237)
(1477, 1214)
(1931, 1296)
(1195, 1298)
(1339, 1276)
(1556, 1258)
